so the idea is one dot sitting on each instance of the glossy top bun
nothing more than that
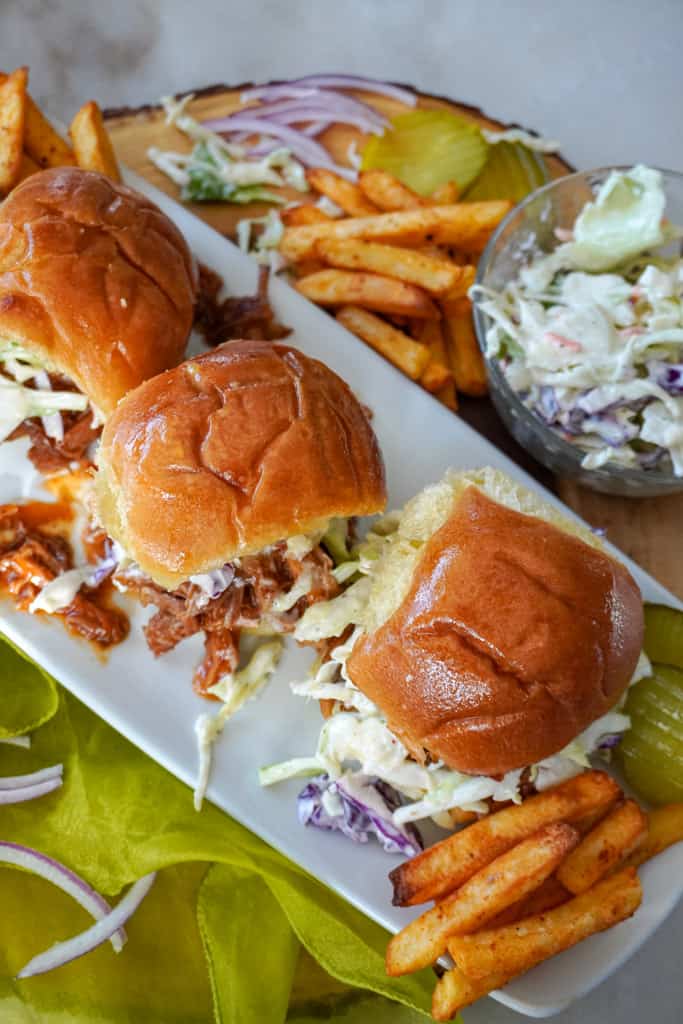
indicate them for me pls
(230, 452)
(95, 279)
(513, 637)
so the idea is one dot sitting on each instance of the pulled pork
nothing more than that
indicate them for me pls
(30, 558)
(50, 455)
(247, 316)
(246, 602)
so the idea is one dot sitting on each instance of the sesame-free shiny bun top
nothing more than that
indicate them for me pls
(513, 636)
(230, 452)
(95, 280)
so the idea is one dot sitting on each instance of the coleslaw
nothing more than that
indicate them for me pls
(591, 335)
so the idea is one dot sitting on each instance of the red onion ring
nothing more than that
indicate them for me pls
(104, 929)
(330, 103)
(332, 82)
(65, 879)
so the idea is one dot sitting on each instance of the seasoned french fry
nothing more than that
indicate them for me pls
(388, 193)
(442, 868)
(454, 991)
(92, 146)
(551, 894)
(12, 121)
(435, 377)
(445, 194)
(502, 882)
(372, 291)
(409, 356)
(306, 213)
(449, 225)
(466, 360)
(435, 276)
(665, 827)
(448, 397)
(343, 193)
(27, 167)
(517, 948)
(607, 845)
(437, 374)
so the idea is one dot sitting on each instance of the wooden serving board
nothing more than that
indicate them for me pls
(650, 530)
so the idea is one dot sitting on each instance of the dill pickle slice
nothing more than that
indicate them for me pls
(651, 752)
(427, 148)
(511, 172)
(664, 635)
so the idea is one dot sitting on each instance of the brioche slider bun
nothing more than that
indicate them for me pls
(230, 452)
(95, 281)
(497, 630)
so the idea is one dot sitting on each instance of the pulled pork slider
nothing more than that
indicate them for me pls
(219, 479)
(97, 290)
(492, 644)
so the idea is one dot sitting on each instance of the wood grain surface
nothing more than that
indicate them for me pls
(650, 530)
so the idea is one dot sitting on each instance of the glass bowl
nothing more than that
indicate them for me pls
(527, 231)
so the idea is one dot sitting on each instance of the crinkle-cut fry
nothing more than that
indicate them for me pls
(388, 193)
(450, 225)
(664, 828)
(551, 894)
(305, 213)
(454, 991)
(342, 192)
(409, 356)
(467, 362)
(371, 291)
(435, 276)
(442, 868)
(504, 881)
(516, 948)
(445, 194)
(604, 847)
(92, 146)
(12, 121)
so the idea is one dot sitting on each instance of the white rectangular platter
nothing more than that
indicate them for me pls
(151, 701)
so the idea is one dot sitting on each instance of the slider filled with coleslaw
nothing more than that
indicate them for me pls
(481, 652)
(97, 292)
(224, 483)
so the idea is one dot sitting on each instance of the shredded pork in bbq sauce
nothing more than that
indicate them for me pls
(30, 558)
(247, 316)
(257, 580)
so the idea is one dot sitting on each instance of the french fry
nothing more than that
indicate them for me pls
(442, 868)
(92, 146)
(409, 356)
(605, 846)
(372, 291)
(435, 377)
(445, 194)
(551, 894)
(517, 948)
(437, 374)
(449, 225)
(342, 192)
(665, 827)
(12, 121)
(27, 167)
(41, 142)
(435, 276)
(466, 360)
(448, 397)
(454, 991)
(502, 882)
(306, 213)
(387, 192)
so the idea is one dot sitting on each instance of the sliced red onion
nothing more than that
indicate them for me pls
(20, 796)
(64, 952)
(308, 151)
(65, 879)
(331, 104)
(333, 82)
(21, 781)
(315, 128)
(302, 114)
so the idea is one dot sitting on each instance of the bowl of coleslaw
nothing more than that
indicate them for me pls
(578, 307)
